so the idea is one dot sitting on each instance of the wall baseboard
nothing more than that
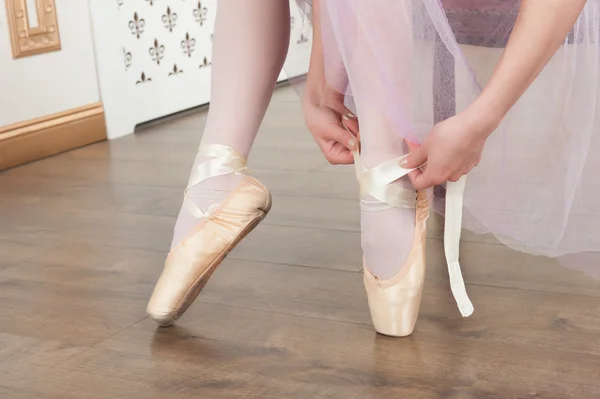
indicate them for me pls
(42, 137)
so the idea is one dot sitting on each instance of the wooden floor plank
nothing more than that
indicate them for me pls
(14, 251)
(422, 366)
(93, 266)
(502, 315)
(65, 313)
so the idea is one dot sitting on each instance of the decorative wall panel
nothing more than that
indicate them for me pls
(33, 26)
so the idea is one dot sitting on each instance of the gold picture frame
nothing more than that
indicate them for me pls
(27, 40)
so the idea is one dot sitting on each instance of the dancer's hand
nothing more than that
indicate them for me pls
(324, 107)
(450, 150)
(323, 111)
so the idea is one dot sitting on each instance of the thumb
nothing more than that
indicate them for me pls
(416, 158)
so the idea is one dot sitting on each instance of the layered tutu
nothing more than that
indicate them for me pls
(418, 62)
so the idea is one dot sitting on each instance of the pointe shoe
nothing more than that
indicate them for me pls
(394, 303)
(189, 265)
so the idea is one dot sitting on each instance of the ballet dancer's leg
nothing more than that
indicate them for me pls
(222, 203)
(251, 39)
(379, 73)
(393, 214)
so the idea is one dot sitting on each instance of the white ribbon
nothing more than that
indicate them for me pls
(452, 229)
(225, 161)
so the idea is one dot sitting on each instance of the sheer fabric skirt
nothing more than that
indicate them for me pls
(418, 62)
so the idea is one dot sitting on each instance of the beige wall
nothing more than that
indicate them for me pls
(49, 83)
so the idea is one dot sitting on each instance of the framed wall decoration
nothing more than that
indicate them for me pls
(33, 26)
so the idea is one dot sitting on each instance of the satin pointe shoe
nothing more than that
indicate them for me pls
(394, 303)
(220, 228)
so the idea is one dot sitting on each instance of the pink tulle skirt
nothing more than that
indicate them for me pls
(419, 62)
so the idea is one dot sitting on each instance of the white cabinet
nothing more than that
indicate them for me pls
(154, 57)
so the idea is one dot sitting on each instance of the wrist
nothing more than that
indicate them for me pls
(315, 87)
(486, 117)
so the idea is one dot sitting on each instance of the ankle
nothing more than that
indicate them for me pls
(387, 238)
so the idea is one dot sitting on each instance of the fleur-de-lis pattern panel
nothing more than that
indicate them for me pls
(159, 34)
(154, 56)
(163, 38)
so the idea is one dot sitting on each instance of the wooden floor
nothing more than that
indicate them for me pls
(83, 236)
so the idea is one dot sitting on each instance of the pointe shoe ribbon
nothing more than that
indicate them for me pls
(225, 161)
(454, 207)
(375, 182)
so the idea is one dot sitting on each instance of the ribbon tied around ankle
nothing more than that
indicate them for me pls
(225, 161)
